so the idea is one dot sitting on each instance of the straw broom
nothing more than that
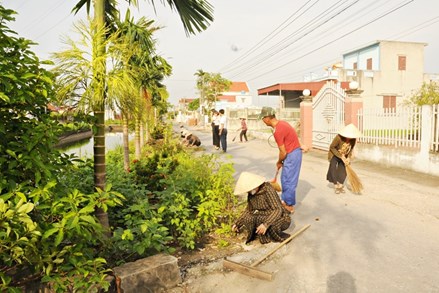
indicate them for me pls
(276, 184)
(354, 180)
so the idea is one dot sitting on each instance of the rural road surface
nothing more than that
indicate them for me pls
(384, 240)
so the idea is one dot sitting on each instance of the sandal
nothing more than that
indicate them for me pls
(342, 190)
(337, 190)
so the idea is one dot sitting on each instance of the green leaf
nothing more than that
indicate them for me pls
(50, 232)
(59, 237)
(26, 208)
(87, 210)
(88, 219)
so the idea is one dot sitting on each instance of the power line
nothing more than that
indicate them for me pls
(342, 23)
(37, 20)
(278, 49)
(269, 36)
(339, 38)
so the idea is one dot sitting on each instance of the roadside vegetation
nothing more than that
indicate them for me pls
(63, 229)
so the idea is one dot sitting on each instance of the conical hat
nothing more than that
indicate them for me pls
(247, 181)
(350, 131)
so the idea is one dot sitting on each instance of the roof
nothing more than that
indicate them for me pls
(238, 86)
(377, 43)
(313, 86)
(185, 100)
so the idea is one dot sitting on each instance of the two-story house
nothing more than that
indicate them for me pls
(388, 72)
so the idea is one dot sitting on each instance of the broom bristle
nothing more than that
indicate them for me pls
(276, 186)
(354, 180)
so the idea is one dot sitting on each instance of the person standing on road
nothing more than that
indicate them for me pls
(264, 217)
(290, 155)
(339, 155)
(243, 132)
(223, 130)
(215, 129)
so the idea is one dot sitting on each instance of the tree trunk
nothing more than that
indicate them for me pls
(99, 112)
(148, 107)
(137, 138)
(126, 143)
(142, 133)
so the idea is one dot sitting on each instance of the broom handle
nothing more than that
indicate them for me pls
(282, 244)
(275, 176)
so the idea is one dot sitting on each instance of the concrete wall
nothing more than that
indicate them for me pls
(399, 157)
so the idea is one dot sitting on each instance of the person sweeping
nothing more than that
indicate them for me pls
(339, 156)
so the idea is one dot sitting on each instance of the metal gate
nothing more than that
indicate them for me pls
(328, 114)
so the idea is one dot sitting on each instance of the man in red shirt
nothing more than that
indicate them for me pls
(290, 155)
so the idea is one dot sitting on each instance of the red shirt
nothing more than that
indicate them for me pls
(285, 134)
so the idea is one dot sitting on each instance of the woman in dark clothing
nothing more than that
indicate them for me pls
(339, 155)
(215, 129)
(264, 217)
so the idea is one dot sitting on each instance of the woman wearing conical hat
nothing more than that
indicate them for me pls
(264, 217)
(339, 155)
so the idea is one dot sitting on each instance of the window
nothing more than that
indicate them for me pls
(402, 62)
(355, 65)
(389, 102)
(369, 64)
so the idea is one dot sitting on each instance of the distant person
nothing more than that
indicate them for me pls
(264, 217)
(243, 132)
(290, 155)
(223, 130)
(215, 129)
(189, 139)
(339, 155)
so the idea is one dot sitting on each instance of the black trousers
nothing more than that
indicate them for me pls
(243, 133)
(336, 171)
(215, 135)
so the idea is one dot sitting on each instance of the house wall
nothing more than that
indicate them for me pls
(385, 79)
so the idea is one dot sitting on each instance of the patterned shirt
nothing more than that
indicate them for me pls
(265, 207)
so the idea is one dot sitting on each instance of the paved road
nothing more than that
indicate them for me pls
(385, 240)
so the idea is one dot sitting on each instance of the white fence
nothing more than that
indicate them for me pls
(435, 129)
(398, 127)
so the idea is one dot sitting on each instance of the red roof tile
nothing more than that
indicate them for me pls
(238, 86)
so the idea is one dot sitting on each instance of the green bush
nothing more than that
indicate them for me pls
(48, 232)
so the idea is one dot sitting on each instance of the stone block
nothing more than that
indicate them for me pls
(153, 274)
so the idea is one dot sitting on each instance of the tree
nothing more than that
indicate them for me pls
(195, 15)
(79, 83)
(210, 85)
(428, 94)
(27, 131)
(150, 70)
(41, 233)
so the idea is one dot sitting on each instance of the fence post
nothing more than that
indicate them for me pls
(306, 121)
(426, 130)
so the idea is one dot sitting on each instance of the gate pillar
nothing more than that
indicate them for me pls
(306, 121)
(353, 103)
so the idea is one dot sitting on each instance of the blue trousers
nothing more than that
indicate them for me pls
(290, 176)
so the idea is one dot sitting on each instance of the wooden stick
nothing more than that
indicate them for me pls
(247, 270)
(280, 245)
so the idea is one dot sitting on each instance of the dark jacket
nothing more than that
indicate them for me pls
(337, 144)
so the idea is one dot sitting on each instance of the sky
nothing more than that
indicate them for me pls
(255, 41)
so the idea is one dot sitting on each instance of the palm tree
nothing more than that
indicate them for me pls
(78, 83)
(150, 70)
(137, 36)
(195, 16)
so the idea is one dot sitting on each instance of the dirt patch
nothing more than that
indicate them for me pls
(209, 250)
